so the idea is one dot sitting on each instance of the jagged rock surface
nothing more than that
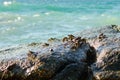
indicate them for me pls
(106, 41)
(67, 60)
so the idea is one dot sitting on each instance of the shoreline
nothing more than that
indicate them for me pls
(105, 40)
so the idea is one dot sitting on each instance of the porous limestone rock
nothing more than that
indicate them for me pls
(106, 41)
(68, 59)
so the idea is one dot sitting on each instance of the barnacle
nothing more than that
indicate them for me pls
(75, 42)
(71, 37)
(31, 55)
(83, 40)
(101, 36)
(45, 44)
(116, 27)
(65, 39)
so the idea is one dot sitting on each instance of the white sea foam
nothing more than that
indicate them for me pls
(102, 14)
(36, 15)
(47, 13)
(18, 19)
(84, 18)
(7, 3)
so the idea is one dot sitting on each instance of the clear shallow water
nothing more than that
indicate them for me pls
(26, 21)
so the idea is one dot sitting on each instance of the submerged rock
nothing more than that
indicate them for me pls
(68, 60)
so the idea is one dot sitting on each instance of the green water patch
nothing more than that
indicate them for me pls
(19, 7)
(11, 7)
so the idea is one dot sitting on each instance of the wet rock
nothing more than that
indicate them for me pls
(53, 40)
(72, 58)
(116, 27)
(108, 63)
(45, 44)
(57, 61)
(106, 41)
(34, 44)
(79, 72)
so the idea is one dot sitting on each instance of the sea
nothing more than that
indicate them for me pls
(27, 21)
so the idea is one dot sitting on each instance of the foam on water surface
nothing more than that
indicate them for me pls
(26, 21)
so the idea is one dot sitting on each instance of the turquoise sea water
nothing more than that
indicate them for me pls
(26, 21)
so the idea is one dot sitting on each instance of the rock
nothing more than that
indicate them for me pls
(115, 27)
(68, 60)
(106, 41)
(108, 63)
(72, 58)
(79, 72)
